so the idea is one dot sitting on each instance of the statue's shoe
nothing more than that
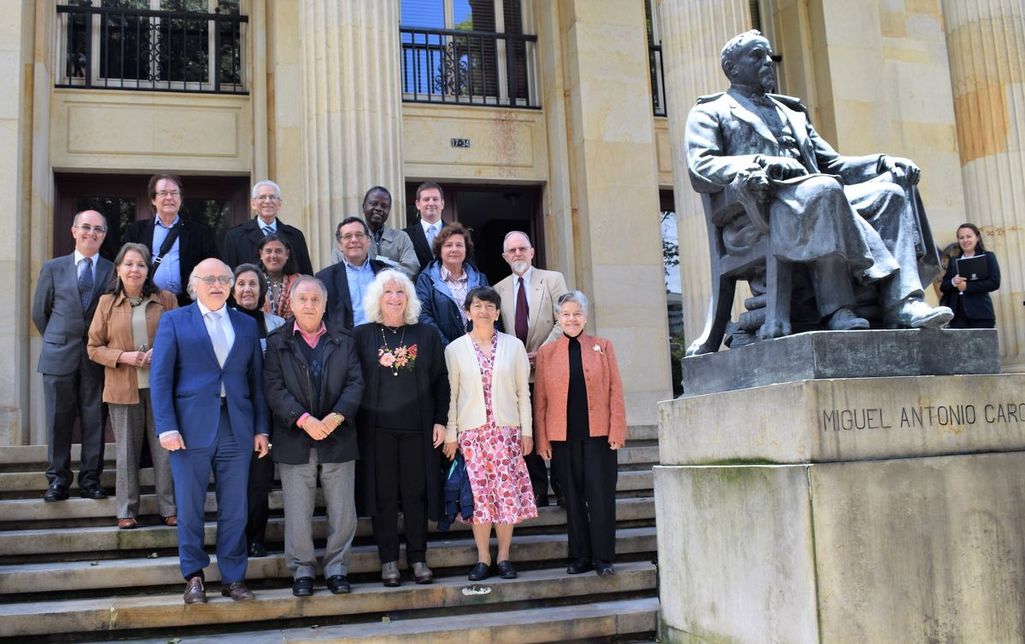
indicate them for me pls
(916, 314)
(845, 320)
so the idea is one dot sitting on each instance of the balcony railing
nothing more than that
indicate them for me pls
(658, 87)
(136, 49)
(468, 67)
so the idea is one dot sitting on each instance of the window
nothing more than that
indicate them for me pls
(658, 88)
(468, 51)
(170, 45)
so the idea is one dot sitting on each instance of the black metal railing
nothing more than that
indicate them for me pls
(658, 87)
(117, 48)
(468, 67)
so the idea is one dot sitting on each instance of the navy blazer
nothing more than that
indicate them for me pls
(439, 309)
(976, 300)
(58, 315)
(185, 379)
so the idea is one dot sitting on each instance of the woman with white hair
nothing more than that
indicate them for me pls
(401, 422)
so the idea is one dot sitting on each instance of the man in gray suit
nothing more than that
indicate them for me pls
(62, 309)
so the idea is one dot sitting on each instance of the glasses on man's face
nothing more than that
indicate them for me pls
(353, 237)
(174, 194)
(87, 229)
(267, 198)
(210, 280)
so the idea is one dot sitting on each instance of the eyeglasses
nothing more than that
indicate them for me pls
(266, 198)
(169, 193)
(210, 280)
(517, 250)
(86, 228)
(353, 237)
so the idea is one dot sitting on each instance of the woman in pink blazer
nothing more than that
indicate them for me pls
(579, 423)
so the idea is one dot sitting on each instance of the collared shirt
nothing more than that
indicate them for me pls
(436, 225)
(168, 275)
(78, 264)
(458, 286)
(224, 321)
(272, 225)
(359, 278)
(526, 285)
(311, 339)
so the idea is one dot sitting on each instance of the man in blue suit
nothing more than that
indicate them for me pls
(208, 403)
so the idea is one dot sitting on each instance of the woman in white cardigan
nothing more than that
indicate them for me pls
(489, 422)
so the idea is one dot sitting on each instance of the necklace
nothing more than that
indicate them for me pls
(135, 301)
(388, 350)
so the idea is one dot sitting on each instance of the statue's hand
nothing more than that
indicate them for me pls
(758, 185)
(899, 166)
(782, 168)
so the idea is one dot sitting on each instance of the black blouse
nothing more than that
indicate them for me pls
(577, 420)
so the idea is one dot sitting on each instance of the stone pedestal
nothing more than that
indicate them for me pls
(845, 509)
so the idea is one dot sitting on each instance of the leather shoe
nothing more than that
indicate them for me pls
(127, 523)
(579, 567)
(390, 574)
(302, 586)
(171, 521)
(845, 320)
(604, 568)
(257, 549)
(338, 585)
(237, 590)
(94, 492)
(916, 314)
(55, 492)
(541, 500)
(195, 593)
(421, 573)
(506, 570)
(480, 571)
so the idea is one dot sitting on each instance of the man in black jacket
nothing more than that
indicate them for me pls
(347, 281)
(430, 202)
(176, 245)
(241, 243)
(314, 385)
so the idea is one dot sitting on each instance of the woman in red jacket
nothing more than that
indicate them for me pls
(579, 423)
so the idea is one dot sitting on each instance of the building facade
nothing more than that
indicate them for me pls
(560, 117)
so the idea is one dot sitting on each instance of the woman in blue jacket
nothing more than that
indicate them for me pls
(443, 285)
(969, 298)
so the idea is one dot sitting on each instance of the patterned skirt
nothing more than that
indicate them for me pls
(498, 476)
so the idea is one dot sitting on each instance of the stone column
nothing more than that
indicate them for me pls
(693, 33)
(611, 142)
(986, 44)
(351, 122)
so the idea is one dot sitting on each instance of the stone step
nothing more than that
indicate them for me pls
(54, 577)
(166, 611)
(155, 537)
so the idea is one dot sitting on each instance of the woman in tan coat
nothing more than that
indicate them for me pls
(121, 339)
(579, 423)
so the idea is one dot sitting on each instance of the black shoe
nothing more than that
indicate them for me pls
(302, 586)
(338, 585)
(93, 492)
(604, 568)
(506, 570)
(579, 567)
(561, 500)
(541, 500)
(480, 571)
(257, 549)
(55, 492)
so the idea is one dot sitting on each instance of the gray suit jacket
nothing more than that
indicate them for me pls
(543, 314)
(58, 315)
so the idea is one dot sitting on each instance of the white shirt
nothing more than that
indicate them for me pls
(272, 225)
(436, 225)
(225, 323)
(526, 285)
(78, 264)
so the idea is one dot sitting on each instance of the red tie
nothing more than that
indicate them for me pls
(521, 313)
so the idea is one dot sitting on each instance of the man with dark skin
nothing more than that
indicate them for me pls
(388, 245)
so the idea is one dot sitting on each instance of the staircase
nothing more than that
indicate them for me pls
(68, 574)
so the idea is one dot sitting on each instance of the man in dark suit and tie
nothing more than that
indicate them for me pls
(206, 384)
(430, 202)
(347, 280)
(190, 242)
(62, 309)
(242, 243)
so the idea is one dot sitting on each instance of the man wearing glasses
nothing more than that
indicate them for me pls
(176, 244)
(62, 309)
(242, 243)
(206, 384)
(347, 280)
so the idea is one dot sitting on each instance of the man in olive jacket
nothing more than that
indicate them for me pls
(314, 385)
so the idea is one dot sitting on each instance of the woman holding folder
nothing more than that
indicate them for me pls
(970, 278)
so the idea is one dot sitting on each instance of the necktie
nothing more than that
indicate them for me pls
(432, 232)
(85, 282)
(267, 230)
(217, 337)
(521, 313)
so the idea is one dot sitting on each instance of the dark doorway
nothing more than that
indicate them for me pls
(220, 202)
(491, 211)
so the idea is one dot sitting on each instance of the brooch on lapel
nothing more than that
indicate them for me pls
(597, 349)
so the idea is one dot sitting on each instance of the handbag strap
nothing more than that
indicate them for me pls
(166, 245)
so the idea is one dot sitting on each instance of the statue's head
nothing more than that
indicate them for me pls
(746, 59)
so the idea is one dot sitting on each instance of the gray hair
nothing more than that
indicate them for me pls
(372, 298)
(576, 297)
(509, 234)
(264, 182)
(733, 45)
(190, 290)
(303, 279)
